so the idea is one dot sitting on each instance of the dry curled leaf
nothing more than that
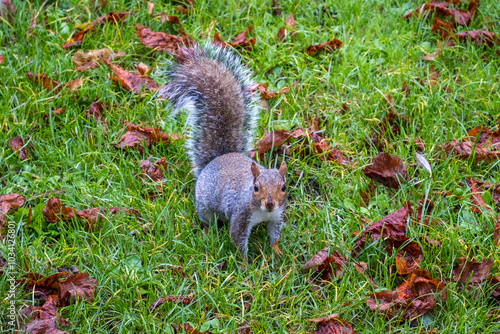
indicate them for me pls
(392, 226)
(328, 153)
(134, 82)
(386, 169)
(264, 93)
(42, 319)
(472, 272)
(239, 42)
(7, 10)
(410, 300)
(408, 258)
(96, 110)
(322, 264)
(17, 144)
(53, 85)
(9, 202)
(160, 40)
(136, 137)
(332, 324)
(54, 212)
(88, 60)
(480, 37)
(328, 47)
(153, 171)
(464, 150)
(461, 16)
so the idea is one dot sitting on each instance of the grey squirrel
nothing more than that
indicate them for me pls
(213, 85)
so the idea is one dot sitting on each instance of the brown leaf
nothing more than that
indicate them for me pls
(85, 61)
(136, 136)
(58, 111)
(409, 257)
(443, 28)
(264, 93)
(475, 196)
(428, 205)
(54, 212)
(16, 144)
(77, 287)
(239, 42)
(171, 299)
(9, 202)
(392, 226)
(53, 85)
(96, 110)
(281, 34)
(322, 263)
(328, 153)
(1, 59)
(161, 40)
(413, 298)
(463, 150)
(188, 328)
(153, 171)
(272, 140)
(386, 169)
(480, 37)
(328, 47)
(332, 324)
(471, 271)
(77, 39)
(130, 81)
(112, 18)
(7, 10)
(276, 8)
(44, 319)
(462, 17)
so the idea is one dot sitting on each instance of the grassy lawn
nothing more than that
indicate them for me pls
(165, 252)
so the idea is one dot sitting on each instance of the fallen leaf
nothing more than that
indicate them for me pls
(328, 47)
(392, 226)
(112, 18)
(130, 81)
(328, 153)
(7, 10)
(54, 212)
(462, 17)
(386, 169)
(322, 264)
(480, 37)
(9, 202)
(188, 328)
(153, 171)
(171, 299)
(96, 110)
(16, 144)
(409, 257)
(1, 59)
(483, 137)
(332, 324)
(463, 150)
(472, 272)
(44, 319)
(289, 26)
(239, 42)
(85, 61)
(77, 39)
(264, 93)
(476, 199)
(410, 300)
(136, 136)
(272, 140)
(160, 40)
(276, 8)
(316, 260)
(442, 28)
(77, 287)
(53, 85)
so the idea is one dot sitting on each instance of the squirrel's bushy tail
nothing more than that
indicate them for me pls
(212, 84)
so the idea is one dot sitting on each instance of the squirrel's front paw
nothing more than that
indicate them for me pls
(276, 248)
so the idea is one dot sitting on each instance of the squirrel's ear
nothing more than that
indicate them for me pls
(255, 171)
(282, 170)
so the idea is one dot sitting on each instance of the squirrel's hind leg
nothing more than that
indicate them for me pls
(207, 217)
(273, 231)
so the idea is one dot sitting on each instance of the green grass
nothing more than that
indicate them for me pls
(132, 258)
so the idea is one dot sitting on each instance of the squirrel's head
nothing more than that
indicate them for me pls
(269, 189)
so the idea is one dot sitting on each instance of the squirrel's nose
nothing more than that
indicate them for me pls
(269, 203)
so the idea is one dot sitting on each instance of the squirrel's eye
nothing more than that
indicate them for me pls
(283, 188)
(255, 188)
